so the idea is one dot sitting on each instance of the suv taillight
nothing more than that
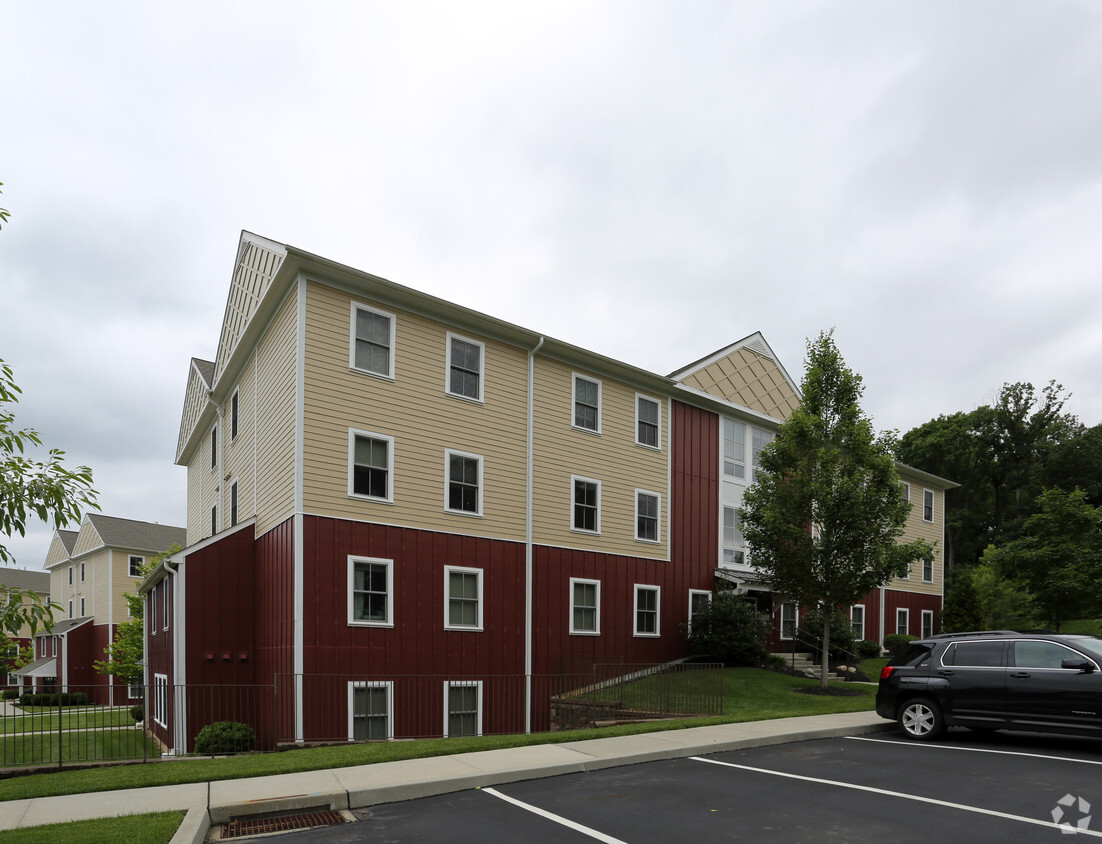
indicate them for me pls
(886, 672)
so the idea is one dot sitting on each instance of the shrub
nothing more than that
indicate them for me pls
(225, 737)
(11, 694)
(137, 712)
(730, 629)
(867, 649)
(895, 642)
(842, 636)
(54, 699)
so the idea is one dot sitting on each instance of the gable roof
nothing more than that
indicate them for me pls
(100, 531)
(39, 581)
(746, 373)
(68, 539)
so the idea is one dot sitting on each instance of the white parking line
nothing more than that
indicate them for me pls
(886, 793)
(577, 827)
(977, 750)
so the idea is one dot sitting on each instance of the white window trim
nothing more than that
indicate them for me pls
(931, 565)
(167, 597)
(82, 572)
(214, 448)
(448, 453)
(863, 617)
(574, 401)
(214, 518)
(160, 699)
(573, 483)
(363, 622)
(597, 616)
(692, 594)
(906, 615)
(358, 432)
(933, 506)
(448, 685)
(235, 503)
(235, 415)
(448, 570)
(82, 606)
(780, 620)
(360, 306)
(72, 573)
(638, 396)
(922, 622)
(129, 562)
(71, 608)
(371, 684)
(734, 477)
(481, 398)
(639, 587)
(906, 491)
(658, 527)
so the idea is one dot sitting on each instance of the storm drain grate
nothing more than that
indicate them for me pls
(259, 826)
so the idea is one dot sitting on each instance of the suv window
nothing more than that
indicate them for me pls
(981, 654)
(1042, 654)
(912, 655)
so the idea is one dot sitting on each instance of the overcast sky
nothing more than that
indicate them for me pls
(649, 180)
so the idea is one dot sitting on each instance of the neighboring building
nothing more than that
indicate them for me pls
(89, 571)
(23, 580)
(423, 516)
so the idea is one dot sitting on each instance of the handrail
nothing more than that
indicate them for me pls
(814, 645)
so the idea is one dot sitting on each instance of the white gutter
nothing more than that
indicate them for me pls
(528, 543)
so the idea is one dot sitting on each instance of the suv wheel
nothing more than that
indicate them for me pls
(921, 719)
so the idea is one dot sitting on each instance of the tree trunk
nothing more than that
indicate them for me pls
(825, 661)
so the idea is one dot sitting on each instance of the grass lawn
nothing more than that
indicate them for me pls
(134, 829)
(38, 719)
(77, 746)
(1090, 626)
(748, 695)
(871, 667)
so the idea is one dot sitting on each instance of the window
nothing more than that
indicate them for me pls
(927, 505)
(646, 610)
(647, 507)
(789, 617)
(160, 699)
(732, 538)
(134, 690)
(1042, 654)
(464, 482)
(586, 504)
(463, 708)
(585, 606)
(213, 519)
(927, 623)
(370, 592)
(760, 441)
(903, 621)
(233, 416)
(465, 367)
(372, 341)
(166, 595)
(214, 447)
(978, 654)
(82, 607)
(734, 448)
(587, 404)
(857, 620)
(928, 570)
(233, 504)
(370, 708)
(82, 572)
(136, 564)
(151, 612)
(371, 458)
(71, 608)
(648, 421)
(905, 490)
(71, 569)
(698, 600)
(463, 608)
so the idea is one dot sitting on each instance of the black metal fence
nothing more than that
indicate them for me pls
(63, 729)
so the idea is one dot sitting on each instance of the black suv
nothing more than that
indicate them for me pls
(995, 680)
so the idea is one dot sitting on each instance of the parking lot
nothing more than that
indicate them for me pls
(998, 787)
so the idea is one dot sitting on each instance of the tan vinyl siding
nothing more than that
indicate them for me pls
(198, 506)
(918, 528)
(611, 457)
(88, 539)
(56, 554)
(749, 379)
(239, 454)
(275, 415)
(96, 588)
(414, 409)
(195, 401)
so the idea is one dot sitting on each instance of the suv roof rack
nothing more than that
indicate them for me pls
(975, 633)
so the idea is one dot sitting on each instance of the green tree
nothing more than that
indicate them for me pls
(30, 488)
(4, 212)
(1059, 560)
(961, 610)
(22, 608)
(825, 515)
(1076, 463)
(1004, 600)
(126, 652)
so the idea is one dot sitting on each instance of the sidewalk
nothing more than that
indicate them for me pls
(387, 782)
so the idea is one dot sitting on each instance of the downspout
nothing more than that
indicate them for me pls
(528, 542)
(110, 615)
(881, 618)
(179, 669)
